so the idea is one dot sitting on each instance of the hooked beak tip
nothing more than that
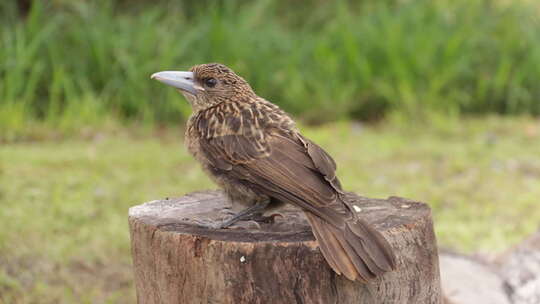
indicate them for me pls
(177, 79)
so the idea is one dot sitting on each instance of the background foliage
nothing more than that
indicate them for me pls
(84, 133)
(73, 63)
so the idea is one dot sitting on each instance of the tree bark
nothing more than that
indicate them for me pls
(176, 261)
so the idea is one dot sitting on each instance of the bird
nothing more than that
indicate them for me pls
(254, 151)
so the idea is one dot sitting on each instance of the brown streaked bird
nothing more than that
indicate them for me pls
(253, 150)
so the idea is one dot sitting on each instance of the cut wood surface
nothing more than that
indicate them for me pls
(177, 261)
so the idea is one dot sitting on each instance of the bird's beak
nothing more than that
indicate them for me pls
(180, 80)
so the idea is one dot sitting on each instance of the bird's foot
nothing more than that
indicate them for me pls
(207, 225)
(228, 211)
(252, 222)
(253, 215)
(270, 219)
(243, 224)
(246, 224)
(255, 221)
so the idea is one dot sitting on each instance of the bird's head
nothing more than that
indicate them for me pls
(206, 85)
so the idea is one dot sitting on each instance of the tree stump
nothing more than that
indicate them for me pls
(176, 261)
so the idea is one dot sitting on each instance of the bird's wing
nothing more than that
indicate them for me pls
(295, 170)
(286, 166)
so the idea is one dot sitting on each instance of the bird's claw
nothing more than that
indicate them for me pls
(253, 222)
(270, 219)
(228, 211)
(248, 224)
(208, 225)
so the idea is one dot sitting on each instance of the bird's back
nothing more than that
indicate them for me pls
(250, 117)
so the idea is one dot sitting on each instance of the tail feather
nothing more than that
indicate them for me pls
(357, 250)
(361, 267)
(374, 244)
(330, 258)
(337, 259)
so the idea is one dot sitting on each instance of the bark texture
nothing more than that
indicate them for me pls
(175, 261)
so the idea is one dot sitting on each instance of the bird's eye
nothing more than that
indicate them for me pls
(210, 82)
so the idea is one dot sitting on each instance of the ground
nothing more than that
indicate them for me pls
(64, 236)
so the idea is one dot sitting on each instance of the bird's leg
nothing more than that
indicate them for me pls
(247, 213)
(244, 214)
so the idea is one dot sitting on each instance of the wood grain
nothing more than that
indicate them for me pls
(176, 261)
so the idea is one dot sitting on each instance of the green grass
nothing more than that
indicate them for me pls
(81, 69)
(76, 63)
(64, 236)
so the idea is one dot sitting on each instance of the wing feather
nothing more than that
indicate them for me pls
(280, 165)
(292, 169)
